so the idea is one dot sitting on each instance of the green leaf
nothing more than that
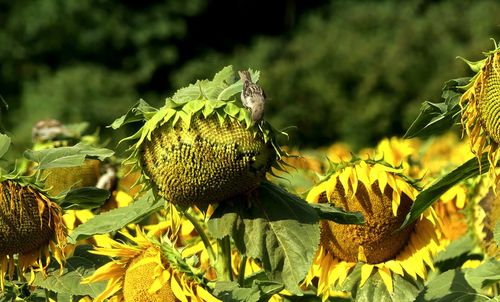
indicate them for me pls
(450, 286)
(436, 118)
(486, 274)
(66, 156)
(4, 144)
(456, 253)
(260, 291)
(84, 198)
(428, 196)
(136, 113)
(329, 212)
(82, 264)
(374, 289)
(279, 229)
(237, 87)
(117, 218)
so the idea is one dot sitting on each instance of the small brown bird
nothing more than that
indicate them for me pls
(252, 96)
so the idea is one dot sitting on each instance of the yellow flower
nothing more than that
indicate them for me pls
(145, 272)
(486, 215)
(449, 209)
(398, 152)
(481, 109)
(30, 227)
(384, 197)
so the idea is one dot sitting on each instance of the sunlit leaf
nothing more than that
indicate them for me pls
(374, 289)
(117, 218)
(4, 144)
(82, 264)
(486, 274)
(66, 156)
(436, 118)
(279, 229)
(136, 113)
(450, 286)
(85, 198)
(429, 195)
(456, 253)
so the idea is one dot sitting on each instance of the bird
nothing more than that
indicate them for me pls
(252, 96)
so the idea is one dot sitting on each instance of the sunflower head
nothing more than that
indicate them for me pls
(382, 196)
(30, 223)
(58, 180)
(202, 147)
(481, 108)
(148, 271)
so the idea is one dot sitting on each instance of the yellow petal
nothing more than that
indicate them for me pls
(177, 289)
(386, 276)
(205, 296)
(366, 271)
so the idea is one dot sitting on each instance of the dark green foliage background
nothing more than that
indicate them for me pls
(339, 70)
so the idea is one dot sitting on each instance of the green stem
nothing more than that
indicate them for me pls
(203, 236)
(241, 272)
(223, 266)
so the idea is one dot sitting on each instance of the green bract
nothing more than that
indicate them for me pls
(201, 147)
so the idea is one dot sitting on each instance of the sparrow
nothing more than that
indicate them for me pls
(252, 96)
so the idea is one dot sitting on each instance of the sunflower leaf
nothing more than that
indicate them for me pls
(136, 113)
(435, 118)
(429, 195)
(84, 198)
(279, 229)
(66, 156)
(329, 212)
(82, 264)
(374, 289)
(450, 286)
(117, 218)
(455, 254)
(484, 275)
(259, 291)
(4, 144)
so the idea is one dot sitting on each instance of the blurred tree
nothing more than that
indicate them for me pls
(357, 71)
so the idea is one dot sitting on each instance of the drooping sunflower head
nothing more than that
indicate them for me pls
(148, 271)
(201, 147)
(384, 196)
(30, 226)
(481, 108)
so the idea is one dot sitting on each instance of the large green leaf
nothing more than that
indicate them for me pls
(436, 118)
(279, 229)
(428, 196)
(4, 144)
(260, 291)
(457, 252)
(66, 156)
(82, 264)
(117, 218)
(486, 274)
(374, 289)
(84, 198)
(451, 286)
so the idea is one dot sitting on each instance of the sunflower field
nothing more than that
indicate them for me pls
(201, 203)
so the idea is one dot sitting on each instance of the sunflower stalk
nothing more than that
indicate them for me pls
(241, 272)
(223, 264)
(203, 236)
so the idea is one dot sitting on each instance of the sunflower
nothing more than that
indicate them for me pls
(147, 271)
(384, 196)
(31, 227)
(481, 109)
(449, 208)
(486, 212)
